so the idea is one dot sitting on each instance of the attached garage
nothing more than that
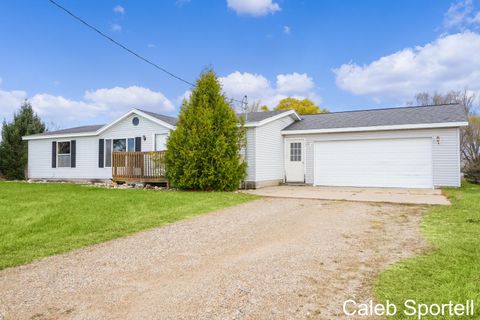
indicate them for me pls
(408, 147)
(405, 163)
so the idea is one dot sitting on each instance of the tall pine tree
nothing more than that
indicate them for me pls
(13, 151)
(203, 153)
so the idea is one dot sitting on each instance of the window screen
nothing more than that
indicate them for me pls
(108, 153)
(63, 153)
(295, 151)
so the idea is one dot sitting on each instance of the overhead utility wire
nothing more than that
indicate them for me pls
(125, 47)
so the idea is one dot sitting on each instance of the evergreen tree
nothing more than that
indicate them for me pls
(13, 151)
(203, 153)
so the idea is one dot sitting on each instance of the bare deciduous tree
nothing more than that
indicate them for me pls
(463, 97)
(470, 137)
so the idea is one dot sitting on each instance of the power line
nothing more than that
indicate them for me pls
(118, 43)
(125, 47)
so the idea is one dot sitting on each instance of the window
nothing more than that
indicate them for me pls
(295, 151)
(135, 121)
(63, 154)
(108, 153)
(131, 145)
(119, 145)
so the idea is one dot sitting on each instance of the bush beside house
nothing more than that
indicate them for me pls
(203, 153)
(13, 151)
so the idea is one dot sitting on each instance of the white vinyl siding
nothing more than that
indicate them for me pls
(249, 153)
(125, 129)
(269, 150)
(445, 154)
(40, 151)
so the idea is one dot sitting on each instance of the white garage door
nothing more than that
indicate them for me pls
(403, 163)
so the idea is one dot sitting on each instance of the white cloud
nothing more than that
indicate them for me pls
(151, 45)
(238, 83)
(294, 82)
(184, 96)
(119, 9)
(257, 87)
(116, 27)
(287, 30)
(10, 101)
(451, 62)
(254, 8)
(181, 3)
(119, 99)
(97, 105)
(61, 110)
(461, 15)
(476, 19)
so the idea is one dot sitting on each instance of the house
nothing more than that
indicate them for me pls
(415, 147)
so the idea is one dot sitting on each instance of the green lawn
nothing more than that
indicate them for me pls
(39, 220)
(451, 270)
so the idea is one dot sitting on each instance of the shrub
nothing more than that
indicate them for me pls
(472, 171)
(203, 153)
(13, 151)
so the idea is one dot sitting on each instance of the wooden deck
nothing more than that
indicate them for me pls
(139, 167)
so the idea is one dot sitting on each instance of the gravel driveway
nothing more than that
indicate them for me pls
(267, 259)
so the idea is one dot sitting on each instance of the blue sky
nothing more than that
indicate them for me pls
(344, 55)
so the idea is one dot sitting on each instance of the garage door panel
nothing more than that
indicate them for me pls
(374, 163)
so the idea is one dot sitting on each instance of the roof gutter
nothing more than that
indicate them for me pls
(380, 128)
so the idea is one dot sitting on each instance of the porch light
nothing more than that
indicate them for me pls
(144, 138)
(438, 139)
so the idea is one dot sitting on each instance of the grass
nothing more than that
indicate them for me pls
(451, 270)
(39, 220)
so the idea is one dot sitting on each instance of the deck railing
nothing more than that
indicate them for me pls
(138, 166)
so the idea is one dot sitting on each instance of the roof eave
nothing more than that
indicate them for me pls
(102, 129)
(380, 128)
(56, 136)
(273, 118)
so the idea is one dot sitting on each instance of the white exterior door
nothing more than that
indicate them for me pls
(160, 142)
(294, 161)
(403, 163)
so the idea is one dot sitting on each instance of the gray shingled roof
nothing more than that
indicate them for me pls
(82, 129)
(381, 117)
(170, 120)
(333, 120)
(259, 116)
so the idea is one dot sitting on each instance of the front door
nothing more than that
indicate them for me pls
(160, 142)
(294, 161)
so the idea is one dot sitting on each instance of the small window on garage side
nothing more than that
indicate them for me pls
(295, 151)
(64, 154)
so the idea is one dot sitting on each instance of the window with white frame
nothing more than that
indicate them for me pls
(108, 153)
(295, 151)
(131, 144)
(119, 145)
(64, 155)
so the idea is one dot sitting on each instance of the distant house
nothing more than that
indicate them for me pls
(417, 147)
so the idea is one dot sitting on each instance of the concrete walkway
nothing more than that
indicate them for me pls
(390, 195)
